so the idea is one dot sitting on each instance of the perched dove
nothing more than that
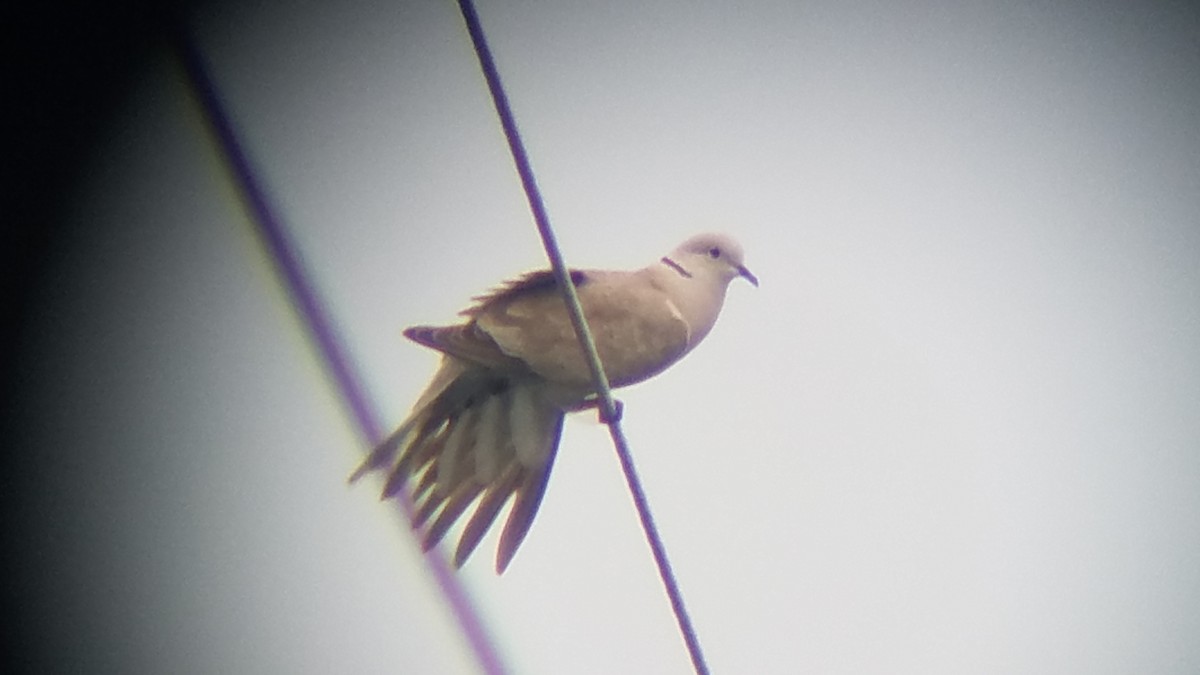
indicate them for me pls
(488, 425)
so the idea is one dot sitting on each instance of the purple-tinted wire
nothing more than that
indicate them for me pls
(321, 329)
(608, 408)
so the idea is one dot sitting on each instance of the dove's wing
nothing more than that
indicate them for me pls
(637, 328)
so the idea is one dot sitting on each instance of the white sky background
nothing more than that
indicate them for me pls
(957, 429)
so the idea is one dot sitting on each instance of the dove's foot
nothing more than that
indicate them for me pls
(618, 412)
(593, 402)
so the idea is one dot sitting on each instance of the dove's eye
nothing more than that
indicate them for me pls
(714, 252)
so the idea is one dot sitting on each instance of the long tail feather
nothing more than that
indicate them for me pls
(456, 503)
(426, 509)
(474, 437)
(529, 498)
(408, 466)
(420, 451)
(454, 463)
(485, 514)
(382, 454)
(425, 484)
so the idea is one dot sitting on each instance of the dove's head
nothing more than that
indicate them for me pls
(712, 255)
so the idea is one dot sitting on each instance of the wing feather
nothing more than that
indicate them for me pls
(637, 329)
(540, 281)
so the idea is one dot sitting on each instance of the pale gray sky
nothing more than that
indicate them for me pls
(957, 429)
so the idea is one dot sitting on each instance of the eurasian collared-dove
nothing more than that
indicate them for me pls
(489, 422)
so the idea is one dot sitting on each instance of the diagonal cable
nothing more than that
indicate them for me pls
(316, 319)
(607, 406)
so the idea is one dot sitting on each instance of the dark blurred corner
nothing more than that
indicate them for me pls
(66, 68)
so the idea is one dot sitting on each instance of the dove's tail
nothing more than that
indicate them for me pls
(474, 435)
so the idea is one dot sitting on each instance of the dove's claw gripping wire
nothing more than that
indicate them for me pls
(618, 412)
(598, 405)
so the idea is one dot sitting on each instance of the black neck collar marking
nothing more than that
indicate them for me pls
(677, 267)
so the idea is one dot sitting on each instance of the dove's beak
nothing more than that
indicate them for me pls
(742, 271)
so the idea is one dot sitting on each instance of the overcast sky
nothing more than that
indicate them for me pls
(957, 429)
